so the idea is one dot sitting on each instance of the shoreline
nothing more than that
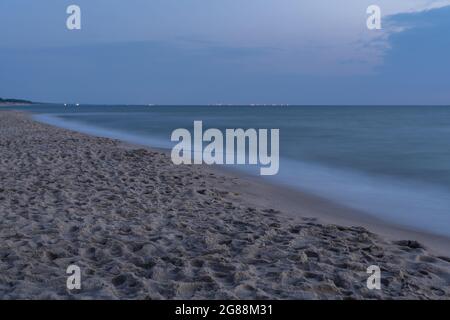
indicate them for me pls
(141, 227)
(286, 199)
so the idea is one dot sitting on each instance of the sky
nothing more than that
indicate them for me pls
(226, 51)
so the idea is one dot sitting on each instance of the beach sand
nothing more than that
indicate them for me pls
(140, 227)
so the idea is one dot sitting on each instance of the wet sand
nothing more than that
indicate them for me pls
(140, 227)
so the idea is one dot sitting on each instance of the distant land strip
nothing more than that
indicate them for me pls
(9, 102)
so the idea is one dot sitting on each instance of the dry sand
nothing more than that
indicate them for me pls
(140, 227)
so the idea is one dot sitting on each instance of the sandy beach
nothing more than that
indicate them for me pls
(140, 227)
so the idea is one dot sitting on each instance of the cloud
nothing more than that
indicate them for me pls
(372, 47)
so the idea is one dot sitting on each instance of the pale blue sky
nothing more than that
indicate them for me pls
(226, 51)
